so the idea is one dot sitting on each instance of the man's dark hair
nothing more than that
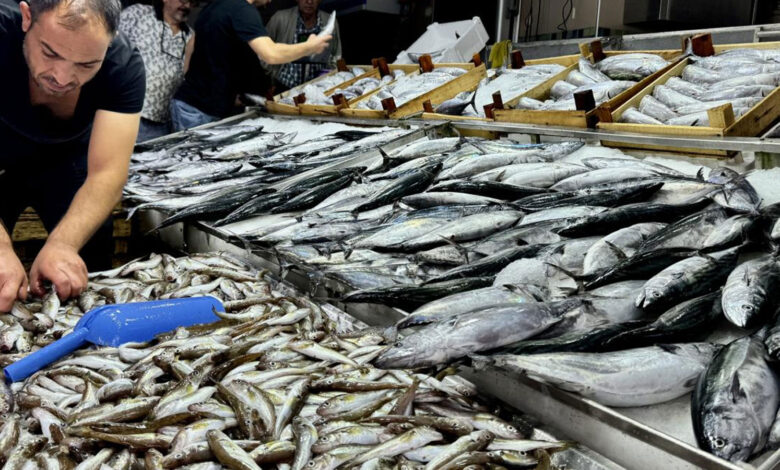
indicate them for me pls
(77, 12)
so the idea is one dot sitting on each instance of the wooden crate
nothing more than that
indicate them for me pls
(333, 110)
(29, 235)
(750, 124)
(467, 81)
(578, 118)
(565, 61)
(277, 107)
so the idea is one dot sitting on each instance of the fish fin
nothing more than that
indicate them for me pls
(478, 361)
(574, 277)
(448, 370)
(385, 157)
(390, 334)
(616, 251)
(737, 392)
(347, 249)
(545, 462)
(671, 348)
(700, 174)
(706, 256)
(691, 382)
(463, 251)
(473, 102)
(410, 321)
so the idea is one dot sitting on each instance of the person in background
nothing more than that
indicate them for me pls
(294, 25)
(68, 124)
(226, 31)
(161, 33)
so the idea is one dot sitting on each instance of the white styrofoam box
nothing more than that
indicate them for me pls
(447, 42)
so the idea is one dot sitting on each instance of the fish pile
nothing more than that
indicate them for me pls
(367, 85)
(319, 86)
(278, 381)
(213, 171)
(34, 324)
(597, 272)
(741, 77)
(408, 87)
(553, 260)
(510, 82)
(606, 79)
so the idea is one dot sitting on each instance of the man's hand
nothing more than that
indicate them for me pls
(13, 280)
(317, 44)
(61, 264)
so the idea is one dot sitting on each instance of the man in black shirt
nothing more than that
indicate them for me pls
(225, 32)
(68, 121)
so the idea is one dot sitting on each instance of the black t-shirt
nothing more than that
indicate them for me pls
(30, 134)
(222, 33)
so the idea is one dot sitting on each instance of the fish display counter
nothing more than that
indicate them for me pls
(618, 299)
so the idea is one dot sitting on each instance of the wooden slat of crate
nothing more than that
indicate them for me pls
(447, 117)
(443, 92)
(29, 227)
(280, 108)
(577, 118)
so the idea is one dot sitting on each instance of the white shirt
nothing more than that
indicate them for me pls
(163, 55)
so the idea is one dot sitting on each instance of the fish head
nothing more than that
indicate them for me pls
(322, 462)
(649, 297)
(730, 434)
(410, 352)
(6, 399)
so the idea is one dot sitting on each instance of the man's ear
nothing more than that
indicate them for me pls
(26, 16)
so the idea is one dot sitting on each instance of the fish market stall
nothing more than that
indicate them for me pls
(613, 79)
(394, 243)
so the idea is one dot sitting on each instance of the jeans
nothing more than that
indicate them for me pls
(185, 116)
(49, 187)
(151, 130)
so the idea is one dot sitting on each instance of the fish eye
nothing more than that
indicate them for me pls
(719, 442)
(747, 307)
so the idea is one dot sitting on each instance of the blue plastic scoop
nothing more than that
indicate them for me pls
(116, 324)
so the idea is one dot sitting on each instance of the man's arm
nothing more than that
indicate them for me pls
(275, 53)
(110, 148)
(13, 280)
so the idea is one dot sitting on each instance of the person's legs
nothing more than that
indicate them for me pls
(185, 116)
(62, 181)
(149, 130)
